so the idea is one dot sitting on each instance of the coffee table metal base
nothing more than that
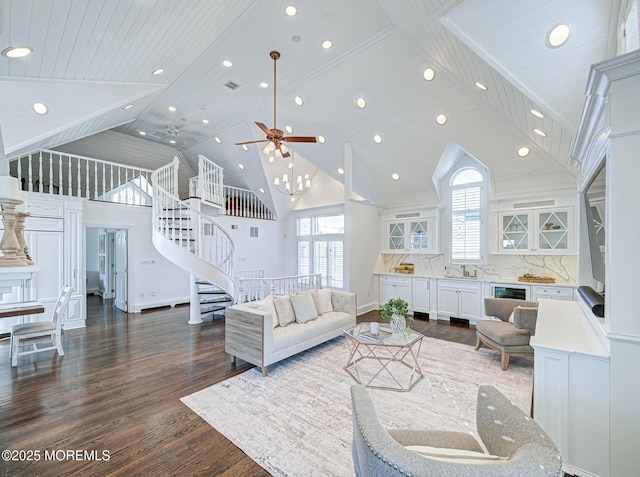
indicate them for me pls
(389, 362)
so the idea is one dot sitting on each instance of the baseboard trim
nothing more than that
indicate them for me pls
(367, 308)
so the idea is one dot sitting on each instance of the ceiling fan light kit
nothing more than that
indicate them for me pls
(275, 138)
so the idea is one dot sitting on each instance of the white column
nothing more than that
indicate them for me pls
(195, 317)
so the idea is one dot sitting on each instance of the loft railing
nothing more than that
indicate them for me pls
(236, 202)
(59, 173)
(177, 221)
(245, 203)
(251, 289)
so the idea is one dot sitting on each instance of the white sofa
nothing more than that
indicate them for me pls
(254, 331)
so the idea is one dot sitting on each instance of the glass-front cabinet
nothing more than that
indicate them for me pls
(409, 236)
(539, 231)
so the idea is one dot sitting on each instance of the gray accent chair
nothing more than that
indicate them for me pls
(503, 336)
(505, 431)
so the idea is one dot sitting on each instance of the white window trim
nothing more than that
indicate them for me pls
(484, 207)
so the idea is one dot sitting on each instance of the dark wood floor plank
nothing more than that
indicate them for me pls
(118, 388)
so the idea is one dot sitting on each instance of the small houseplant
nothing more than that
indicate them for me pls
(396, 310)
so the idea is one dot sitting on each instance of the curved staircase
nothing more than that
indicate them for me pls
(194, 242)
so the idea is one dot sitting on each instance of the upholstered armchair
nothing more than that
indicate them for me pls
(516, 444)
(510, 335)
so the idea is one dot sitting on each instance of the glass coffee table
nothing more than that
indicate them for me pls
(389, 362)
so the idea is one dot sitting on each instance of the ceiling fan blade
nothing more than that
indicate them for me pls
(250, 142)
(299, 139)
(264, 128)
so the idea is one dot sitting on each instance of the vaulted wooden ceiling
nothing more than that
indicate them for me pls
(91, 58)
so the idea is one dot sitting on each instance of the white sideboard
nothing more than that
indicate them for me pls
(571, 387)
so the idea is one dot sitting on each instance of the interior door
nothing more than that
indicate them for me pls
(120, 261)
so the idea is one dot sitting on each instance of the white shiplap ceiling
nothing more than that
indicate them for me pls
(92, 57)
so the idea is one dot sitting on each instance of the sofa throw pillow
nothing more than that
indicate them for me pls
(325, 305)
(268, 306)
(304, 308)
(316, 300)
(284, 309)
(459, 456)
(511, 317)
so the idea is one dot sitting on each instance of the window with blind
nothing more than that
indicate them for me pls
(466, 218)
(631, 31)
(321, 248)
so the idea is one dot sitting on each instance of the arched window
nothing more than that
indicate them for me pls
(466, 202)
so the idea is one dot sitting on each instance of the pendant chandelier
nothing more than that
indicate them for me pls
(290, 184)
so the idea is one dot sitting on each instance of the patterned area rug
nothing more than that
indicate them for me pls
(297, 420)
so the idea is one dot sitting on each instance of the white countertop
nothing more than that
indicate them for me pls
(483, 280)
(561, 325)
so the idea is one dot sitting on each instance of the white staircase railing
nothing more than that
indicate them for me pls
(208, 184)
(187, 237)
(59, 173)
(251, 289)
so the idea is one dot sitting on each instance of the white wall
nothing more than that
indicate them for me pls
(265, 251)
(168, 282)
(362, 249)
(91, 257)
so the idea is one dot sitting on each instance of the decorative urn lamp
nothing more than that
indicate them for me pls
(12, 252)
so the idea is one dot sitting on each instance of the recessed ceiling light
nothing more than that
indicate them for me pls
(241, 166)
(293, 198)
(429, 74)
(288, 128)
(340, 170)
(128, 106)
(523, 151)
(290, 10)
(296, 38)
(157, 72)
(395, 176)
(558, 35)
(205, 121)
(538, 114)
(540, 132)
(272, 158)
(481, 86)
(264, 85)
(441, 119)
(142, 133)
(40, 108)
(227, 63)
(172, 141)
(377, 139)
(218, 140)
(172, 109)
(326, 44)
(321, 139)
(290, 165)
(261, 190)
(361, 103)
(245, 147)
(298, 100)
(17, 51)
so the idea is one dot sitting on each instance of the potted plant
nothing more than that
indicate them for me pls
(396, 310)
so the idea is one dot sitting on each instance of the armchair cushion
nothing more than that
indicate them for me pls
(503, 333)
(460, 456)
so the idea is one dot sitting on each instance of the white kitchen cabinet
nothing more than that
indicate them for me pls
(395, 287)
(571, 387)
(459, 299)
(421, 294)
(414, 235)
(74, 269)
(555, 293)
(536, 231)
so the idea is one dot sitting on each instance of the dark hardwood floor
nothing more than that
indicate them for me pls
(117, 389)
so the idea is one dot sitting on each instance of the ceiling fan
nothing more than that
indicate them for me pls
(275, 137)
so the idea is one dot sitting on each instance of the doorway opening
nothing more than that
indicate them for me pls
(107, 265)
